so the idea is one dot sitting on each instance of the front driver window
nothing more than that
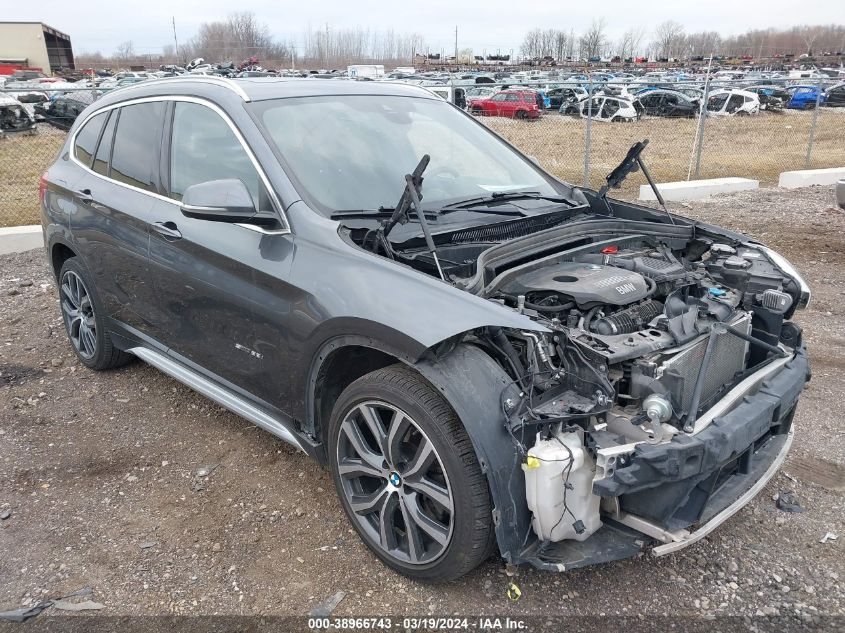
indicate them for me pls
(203, 147)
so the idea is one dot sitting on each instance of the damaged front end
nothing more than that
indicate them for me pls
(657, 400)
(14, 119)
(653, 395)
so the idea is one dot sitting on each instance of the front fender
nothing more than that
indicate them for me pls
(476, 386)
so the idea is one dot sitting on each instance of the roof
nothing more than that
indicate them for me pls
(52, 30)
(264, 88)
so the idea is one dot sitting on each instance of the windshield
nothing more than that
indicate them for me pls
(349, 153)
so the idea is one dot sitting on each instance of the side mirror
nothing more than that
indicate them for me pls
(224, 200)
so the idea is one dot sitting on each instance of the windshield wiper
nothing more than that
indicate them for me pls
(502, 196)
(631, 163)
(411, 197)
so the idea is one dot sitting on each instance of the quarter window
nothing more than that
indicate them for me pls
(101, 160)
(135, 154)
(86, 139)
(203, 147)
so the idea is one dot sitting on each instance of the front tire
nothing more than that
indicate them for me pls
(82, 314)
(408, 478)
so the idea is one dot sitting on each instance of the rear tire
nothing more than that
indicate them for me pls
(521, 114)
(427, 476)
(82, 313)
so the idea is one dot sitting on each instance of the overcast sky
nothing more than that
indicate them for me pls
(100, 25)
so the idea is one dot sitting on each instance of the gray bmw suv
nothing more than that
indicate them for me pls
(486, 358)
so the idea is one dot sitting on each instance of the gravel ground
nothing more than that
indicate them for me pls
(101, 475)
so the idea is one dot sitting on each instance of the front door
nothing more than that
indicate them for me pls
(207, 274)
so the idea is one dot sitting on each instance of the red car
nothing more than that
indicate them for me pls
(521, 104)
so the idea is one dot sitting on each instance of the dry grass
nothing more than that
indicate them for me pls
(758, 147)
(22, 161)
(754, 147)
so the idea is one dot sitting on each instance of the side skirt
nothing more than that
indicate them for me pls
(221, 395)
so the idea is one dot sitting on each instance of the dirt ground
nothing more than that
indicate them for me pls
(100, 475)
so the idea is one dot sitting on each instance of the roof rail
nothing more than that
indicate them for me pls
(220, 81)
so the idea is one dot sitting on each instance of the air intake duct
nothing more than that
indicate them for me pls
(628, 320)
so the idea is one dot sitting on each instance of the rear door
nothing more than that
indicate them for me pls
(114, 201)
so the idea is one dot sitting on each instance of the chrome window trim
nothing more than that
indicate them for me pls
(199, 101)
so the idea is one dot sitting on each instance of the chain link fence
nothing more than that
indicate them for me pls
(580, 147)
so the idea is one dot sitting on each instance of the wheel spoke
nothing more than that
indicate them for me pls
(371, 501)
(436, 530)
(371, 418)
(360, 446)
(387, 532)
(67, 291)
(69, 310)
(88, 339)
(399, 426)
(416, 548)
(354, 467)
(433, 490)
(421, 461)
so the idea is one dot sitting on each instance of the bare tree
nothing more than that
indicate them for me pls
(809, 35)
(630, 42)
(594, 41)
(667, 38)
(125, 51)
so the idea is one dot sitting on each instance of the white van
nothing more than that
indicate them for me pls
(365, 71)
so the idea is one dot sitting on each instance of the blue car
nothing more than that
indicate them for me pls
(806, 97)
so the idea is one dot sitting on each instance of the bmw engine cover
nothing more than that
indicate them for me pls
(586, 284)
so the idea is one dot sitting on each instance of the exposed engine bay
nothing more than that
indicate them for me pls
(638, 400)
(648, 329)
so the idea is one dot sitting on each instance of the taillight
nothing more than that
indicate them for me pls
(42, 187)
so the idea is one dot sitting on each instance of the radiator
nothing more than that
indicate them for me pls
(729, 357)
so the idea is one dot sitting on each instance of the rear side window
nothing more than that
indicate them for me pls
(135, 153)
(87, 137)
(101, 160)
(203, 147)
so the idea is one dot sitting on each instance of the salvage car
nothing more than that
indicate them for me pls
(806, 97)
(610, 109)
(14, 118)
(62, 109)
(835, 96)
(485, 357)
(519, 104)
(668, 103)
(733, 102)
(772, 98)
(562, 96)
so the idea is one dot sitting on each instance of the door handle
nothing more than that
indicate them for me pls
(83, 195)
(168, 230)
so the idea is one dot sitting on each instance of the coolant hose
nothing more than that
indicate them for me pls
(501, 341)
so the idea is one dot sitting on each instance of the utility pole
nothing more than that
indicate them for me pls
(456, 44)
(175, 41)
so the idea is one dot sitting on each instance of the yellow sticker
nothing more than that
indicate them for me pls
(514, 592)
(532, 462)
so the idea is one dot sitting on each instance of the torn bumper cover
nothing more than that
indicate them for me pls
(678, 492)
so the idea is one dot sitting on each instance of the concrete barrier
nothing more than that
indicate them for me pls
(809, 177)
(697, 189)
(17, 239)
